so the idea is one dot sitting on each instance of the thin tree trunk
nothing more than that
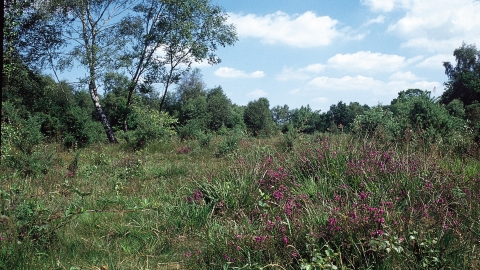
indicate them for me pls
(96, 101)
(163, 98)
(127, 107)
(167, 84)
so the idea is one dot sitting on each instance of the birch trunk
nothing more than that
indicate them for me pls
(98, 107)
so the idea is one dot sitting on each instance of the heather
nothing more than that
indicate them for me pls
(328, 201)
(163, 172)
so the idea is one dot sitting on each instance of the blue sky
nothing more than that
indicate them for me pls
(320, 52)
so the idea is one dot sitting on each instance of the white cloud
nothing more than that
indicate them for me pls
(227, 72)
(301, 73)
(303, 31)
(257, 93)
(436, 25)
(203, 63)
(414, 59)
(344, 83)
(367, 61)
(384, 5)
(436, 61)
(313, 68)
(404, 76)
(368, 85)
(380, 19)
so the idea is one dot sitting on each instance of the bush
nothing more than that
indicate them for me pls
(204, 138)
(20, 141)
(149, 125)
(80, 129)
(229, 144)
(23, 134)
(190, 130)
(377, 122)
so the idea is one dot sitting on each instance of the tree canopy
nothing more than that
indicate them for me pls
(463, 78)
(150, 41)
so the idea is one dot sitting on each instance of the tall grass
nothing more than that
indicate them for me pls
(324, 202)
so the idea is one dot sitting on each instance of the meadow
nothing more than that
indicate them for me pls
(324, 201)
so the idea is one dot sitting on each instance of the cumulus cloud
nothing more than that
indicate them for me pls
(369, 85)
(436, 61)
(227, 72)
(344, 83)
(367, 61)
(380, 19)
(436, 25)
(301, 73)
(379, 5)
(257, 93)
(404, 76)
(203, 63)
(303, 31)
(384, 5)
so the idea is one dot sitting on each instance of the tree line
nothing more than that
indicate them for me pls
(129, 47)
(148, 41)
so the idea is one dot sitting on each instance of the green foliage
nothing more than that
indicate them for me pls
(413, 116)
(473, 118)
(219, 108)
(79, 128)
(190, 31)
(228, 145)
(473, 112)
(115, 99)
(281, 115)
(191, 86)
(464, 77)
(204, 139)
(235, 119)
(21, 142)
(258, 118)
(456, 108)
(332, 201)
(8, 134)
(290, 137)
(190, 130)
(321, 258)
(196, 109)
(338, 114)
(377, 122)
(149, 125)
(26, 135)
(431, 118)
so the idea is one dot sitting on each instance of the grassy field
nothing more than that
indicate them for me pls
(327, 202)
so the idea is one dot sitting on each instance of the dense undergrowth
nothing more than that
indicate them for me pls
(318, 202)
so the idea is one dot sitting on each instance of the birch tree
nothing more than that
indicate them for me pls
(95, 46)
(164, 38)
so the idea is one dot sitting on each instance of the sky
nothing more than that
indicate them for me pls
(317, 53)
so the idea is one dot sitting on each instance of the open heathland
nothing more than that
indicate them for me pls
(326, 201)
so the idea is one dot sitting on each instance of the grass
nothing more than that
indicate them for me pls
(327, 202)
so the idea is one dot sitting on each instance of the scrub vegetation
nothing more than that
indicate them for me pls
(186, 179)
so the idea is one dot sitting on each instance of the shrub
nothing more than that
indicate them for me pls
(79, 129)
(378, 123)
(192, 129)
(229, 143)
(149, 125)
(227, 146)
